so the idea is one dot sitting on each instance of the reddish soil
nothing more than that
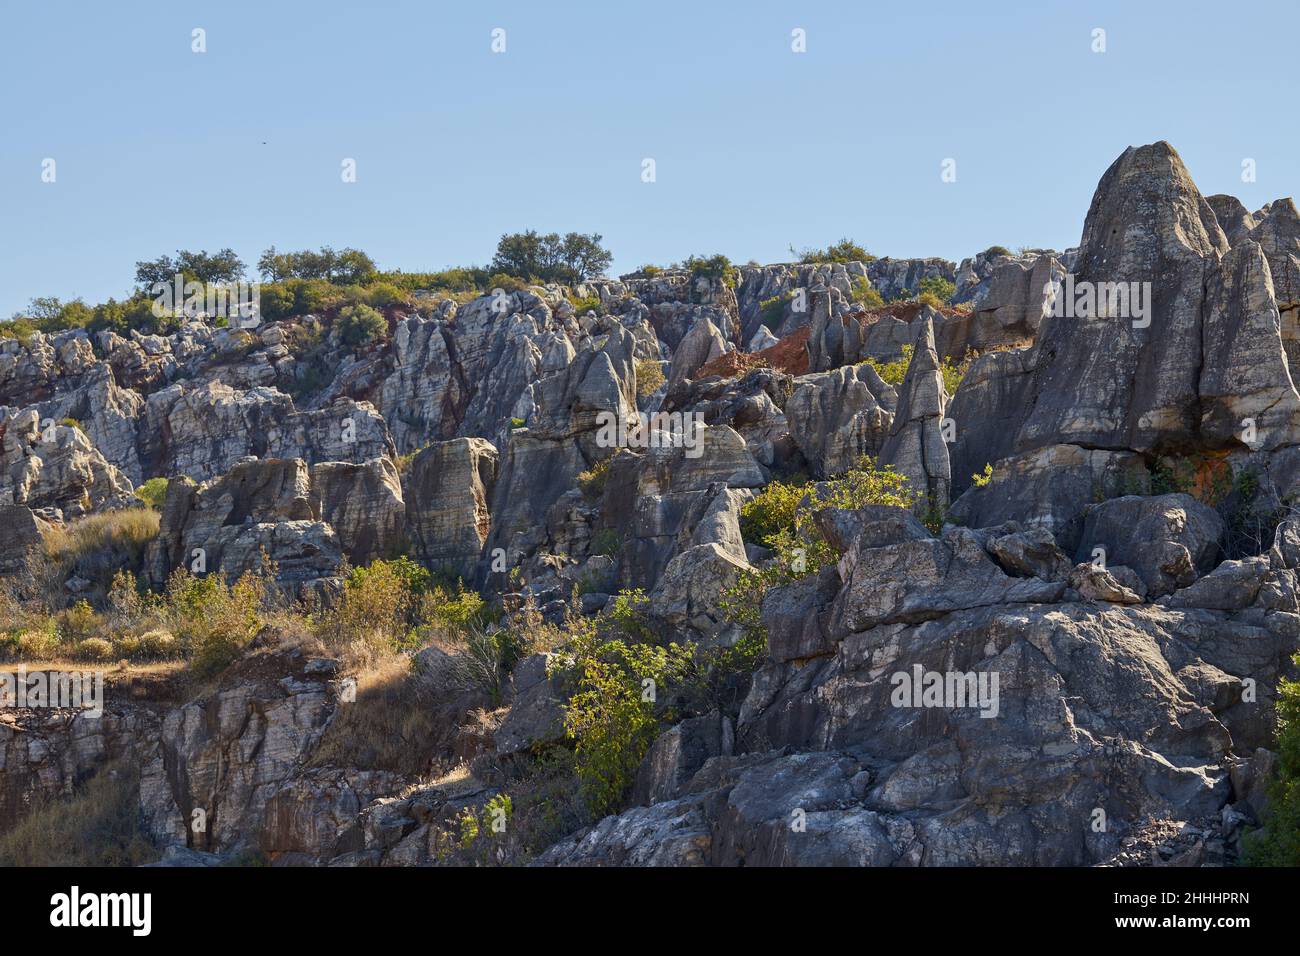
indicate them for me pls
(790, 355)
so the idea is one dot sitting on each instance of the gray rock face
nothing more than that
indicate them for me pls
(1168, 540)
(922, 579)
(837, 417)
(273, 722)
(1007, 311)
(201, 432)
(753, 406)
(1050, 488)
(48, 465)
(916, 447)
(275, 506)
(893, 277)
(363, 504)
(1233, 218)
(447, 491)
(678, 754)
(1105, 382)
(1245, 380)
(1032, 553)
(20, 537)
(703, 343)
(986, 412)
(759, 284)
(1278, 235)
(46, 753)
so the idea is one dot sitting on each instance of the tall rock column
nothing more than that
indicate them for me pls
(915, 446)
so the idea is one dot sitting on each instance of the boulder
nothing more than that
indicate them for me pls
(1169, 540)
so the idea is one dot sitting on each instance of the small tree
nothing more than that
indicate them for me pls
(551, 258)
(361, 325)
(202, 266)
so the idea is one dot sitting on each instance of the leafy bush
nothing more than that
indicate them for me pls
(1277, 843)
(649, 376)
(954, 372)
(893, 373)
(773, 310)
(379, 608)
(996, 251)
(867, 294)
(711, 267)
(362, 325)
(441, 608)
(79, 623)
(583, 304)
(384, 295)
(153, 492)
(938, 288)
(607, 542)
(780, 517)
(592, 481)
(613, 716)
(846, 250)
(215, 621)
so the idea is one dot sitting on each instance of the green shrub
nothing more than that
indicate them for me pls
(153, 493)
(937, 287)
(592, 481)
(607, 542)
(215, 621)
(846, 250)
(649, 376)
(996, 251)
(385, 295)
(893, 373)
(1277, 843)
(584, 304)
(362, 325)
(380, 606)
(711, 267)
(277, 301)
(441, 607)
(780, 517)
(615, 712)
(773, 310)
(867, 294)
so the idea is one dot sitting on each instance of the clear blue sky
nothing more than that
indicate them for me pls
(159, 148)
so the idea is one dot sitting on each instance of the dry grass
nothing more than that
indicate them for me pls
(95, 548)
(99, 825)
(391, 725)
(127, 530)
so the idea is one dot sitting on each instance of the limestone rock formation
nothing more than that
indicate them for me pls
(917, 446)
(447, 493)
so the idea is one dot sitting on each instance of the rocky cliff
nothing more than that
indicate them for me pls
(1063, 646)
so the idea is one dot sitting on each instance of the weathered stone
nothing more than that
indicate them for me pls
(837, 417)
(447, 494)
(1168, 540)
